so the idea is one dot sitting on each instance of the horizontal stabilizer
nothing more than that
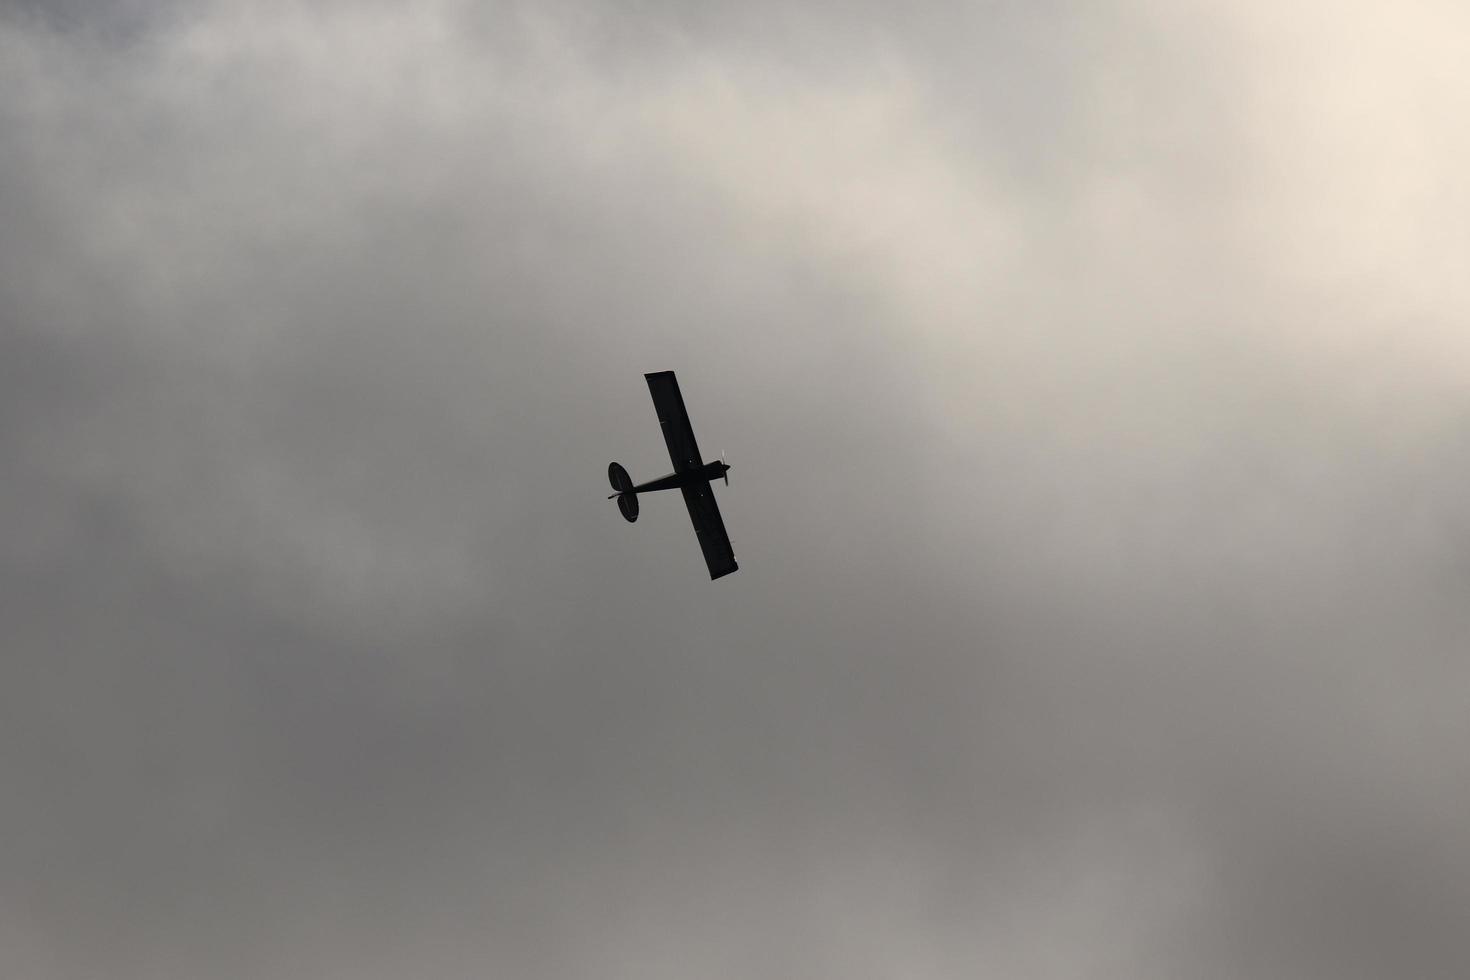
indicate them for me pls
(627, 496)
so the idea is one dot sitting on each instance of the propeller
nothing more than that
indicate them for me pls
(727, 468)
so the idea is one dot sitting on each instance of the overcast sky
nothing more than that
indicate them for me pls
(1096, 379)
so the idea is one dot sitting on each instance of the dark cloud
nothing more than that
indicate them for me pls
(1098, 491)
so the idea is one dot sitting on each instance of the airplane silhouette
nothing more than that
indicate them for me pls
(691, 475)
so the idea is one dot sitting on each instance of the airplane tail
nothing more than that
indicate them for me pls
(627, 497)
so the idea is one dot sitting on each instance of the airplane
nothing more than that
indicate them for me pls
(691, 475)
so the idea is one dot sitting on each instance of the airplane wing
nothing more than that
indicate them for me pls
(705, 513)
(684, 452)
(674, 420)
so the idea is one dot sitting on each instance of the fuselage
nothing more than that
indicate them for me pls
(706, 473)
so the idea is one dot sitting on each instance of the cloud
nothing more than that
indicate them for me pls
(1094, 388)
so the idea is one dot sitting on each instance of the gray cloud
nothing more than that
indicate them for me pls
(1095, 393)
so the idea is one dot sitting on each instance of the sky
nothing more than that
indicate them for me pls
(1096, 381)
